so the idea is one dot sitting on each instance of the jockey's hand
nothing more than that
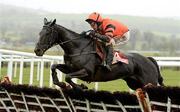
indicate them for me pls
(86, 32)
(92, 34)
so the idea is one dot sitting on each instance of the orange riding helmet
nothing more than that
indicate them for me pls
(95, 17)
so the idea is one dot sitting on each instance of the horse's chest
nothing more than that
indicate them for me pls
(74, 62)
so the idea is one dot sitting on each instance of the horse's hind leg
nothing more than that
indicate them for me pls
(74, 85)
(78, 74)
(160, 78)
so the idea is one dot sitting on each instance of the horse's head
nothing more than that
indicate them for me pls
(47, 37)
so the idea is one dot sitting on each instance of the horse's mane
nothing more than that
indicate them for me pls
(73, 32)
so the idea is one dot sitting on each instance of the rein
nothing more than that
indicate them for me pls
(74, 38)
(80, 53)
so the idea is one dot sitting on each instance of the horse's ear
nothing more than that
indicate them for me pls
(54, 22)
(45, 21)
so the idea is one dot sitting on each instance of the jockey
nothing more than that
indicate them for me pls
(110, 32)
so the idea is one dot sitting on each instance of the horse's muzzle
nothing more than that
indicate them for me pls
(38, 52)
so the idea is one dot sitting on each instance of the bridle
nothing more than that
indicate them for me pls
(53, 30)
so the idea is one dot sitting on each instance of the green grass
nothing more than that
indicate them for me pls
(26, 76)
(171, 78)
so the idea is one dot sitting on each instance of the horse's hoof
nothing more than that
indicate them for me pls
(149, 85)
(61, 85)
(68, 87)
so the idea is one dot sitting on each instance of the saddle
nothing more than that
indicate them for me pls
(118, 56)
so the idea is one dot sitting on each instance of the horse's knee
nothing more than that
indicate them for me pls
(55, 83)
(53, 67)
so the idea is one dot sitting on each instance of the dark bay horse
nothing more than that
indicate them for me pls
(81, 60)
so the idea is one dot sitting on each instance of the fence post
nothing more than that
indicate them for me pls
(50, 79)
(169, 105)
(38, 69)
(41, 72)
(31, 71)
(21, 70)
(15, 69)
(10, 68)
(143, 100)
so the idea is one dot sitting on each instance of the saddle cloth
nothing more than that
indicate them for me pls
(119, 57)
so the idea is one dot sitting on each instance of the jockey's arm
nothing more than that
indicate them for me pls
(107, 37)
(103, 38)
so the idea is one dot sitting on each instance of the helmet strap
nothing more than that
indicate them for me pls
(98, 25)
(97, 18)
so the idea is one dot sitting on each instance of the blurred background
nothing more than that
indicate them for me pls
(154, 24)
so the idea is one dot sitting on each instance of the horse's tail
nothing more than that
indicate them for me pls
(160, 78)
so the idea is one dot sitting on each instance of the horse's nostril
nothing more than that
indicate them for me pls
(37, 50)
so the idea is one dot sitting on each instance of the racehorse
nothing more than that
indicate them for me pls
(81, 60)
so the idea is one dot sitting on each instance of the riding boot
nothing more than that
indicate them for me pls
(109, 57)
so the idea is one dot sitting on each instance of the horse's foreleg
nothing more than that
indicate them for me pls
(54, 75)
(62, 67)
(56, 80)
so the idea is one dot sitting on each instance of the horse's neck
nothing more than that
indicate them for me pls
(67, 35)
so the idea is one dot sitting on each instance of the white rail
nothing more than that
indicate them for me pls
(168, 61)
(13, 58)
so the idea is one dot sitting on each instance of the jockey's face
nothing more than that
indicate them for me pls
(94, 25)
